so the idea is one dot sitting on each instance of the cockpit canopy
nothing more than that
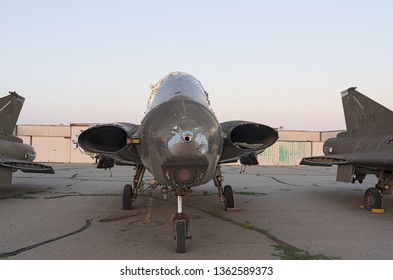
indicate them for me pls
(177, 84)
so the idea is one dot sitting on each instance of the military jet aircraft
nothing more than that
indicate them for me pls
(14, 155)
(365, 148)
(180, 142)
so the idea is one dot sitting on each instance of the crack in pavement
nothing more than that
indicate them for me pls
(24, 249)
(80, 194)
(278, 242)
(284, 183)
(225, 218)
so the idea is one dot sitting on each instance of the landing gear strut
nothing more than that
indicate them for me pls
(130, 193)
(225, 194)
(181, 222)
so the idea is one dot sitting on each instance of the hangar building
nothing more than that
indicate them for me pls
(56, 143)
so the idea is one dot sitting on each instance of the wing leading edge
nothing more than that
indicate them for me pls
(372, 159)
(324, 161)
(27, 166)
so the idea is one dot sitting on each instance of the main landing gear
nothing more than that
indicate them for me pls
(130, 193)
(225, 194)
(372, 199)
(373, 196)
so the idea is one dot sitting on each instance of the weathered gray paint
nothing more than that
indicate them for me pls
(365, 148)
(14, 154)
(179, 134)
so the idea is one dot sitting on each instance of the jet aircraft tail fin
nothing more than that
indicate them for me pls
(364, 114)
(10, 107)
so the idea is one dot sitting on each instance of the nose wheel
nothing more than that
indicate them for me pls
(181, 236)
(181, 223)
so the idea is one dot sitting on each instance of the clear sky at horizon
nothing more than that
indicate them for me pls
(281, 63)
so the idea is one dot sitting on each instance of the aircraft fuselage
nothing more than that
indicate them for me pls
(12, 147)
(345, 143)
(181, 139)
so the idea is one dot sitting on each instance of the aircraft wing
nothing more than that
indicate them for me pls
(372, 159)
(324, 160)
(26, 166)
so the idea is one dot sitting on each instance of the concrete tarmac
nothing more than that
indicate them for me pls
(284, 212)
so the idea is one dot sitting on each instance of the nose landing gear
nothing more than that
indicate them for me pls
(181, 222)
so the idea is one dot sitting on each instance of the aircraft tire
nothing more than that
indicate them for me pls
(228, 193)
(127, 194)
(180, 236)
(372, 199)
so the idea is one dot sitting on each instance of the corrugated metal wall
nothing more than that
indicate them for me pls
(56, 144)
(51, 149)
(317, 148)
(75, 154)
(295, 135)
(285, 153)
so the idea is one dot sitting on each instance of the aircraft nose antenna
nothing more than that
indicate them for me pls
(187, 136)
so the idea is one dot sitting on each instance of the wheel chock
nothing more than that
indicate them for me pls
(378, 210)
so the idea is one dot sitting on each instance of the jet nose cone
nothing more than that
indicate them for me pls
(187, 136)
(187, 144)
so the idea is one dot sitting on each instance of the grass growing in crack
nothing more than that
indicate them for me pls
(249, 193)
(246, 193)
(289, 252)
(248, 225)
(285, 250)
(24, 196)
(217, 214)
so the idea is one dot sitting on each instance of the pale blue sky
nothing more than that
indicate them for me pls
(281, 63)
